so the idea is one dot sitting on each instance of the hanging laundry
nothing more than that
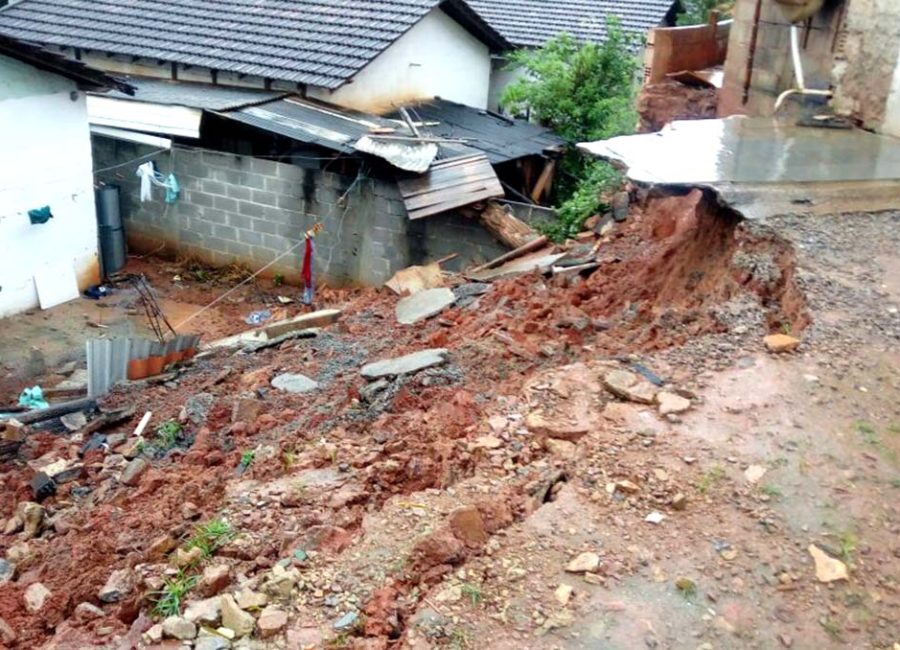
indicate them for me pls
(172, 189)
(150, 177)
(33, 398)
(40, 215)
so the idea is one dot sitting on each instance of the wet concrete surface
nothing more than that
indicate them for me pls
(744, 150)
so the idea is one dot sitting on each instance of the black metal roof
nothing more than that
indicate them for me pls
(500, 138)
(87, 78)
(195, 95)
(316, 42)
(531, 23)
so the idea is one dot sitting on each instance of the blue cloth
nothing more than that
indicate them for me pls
(40, 215)
(172, 189)
(33, 398)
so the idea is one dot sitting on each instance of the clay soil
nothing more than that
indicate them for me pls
(372, 495)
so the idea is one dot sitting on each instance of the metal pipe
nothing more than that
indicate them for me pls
(801, 88)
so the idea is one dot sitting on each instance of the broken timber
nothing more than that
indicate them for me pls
(56, 410)
(275, 330)
(513, 254)
(506, 227)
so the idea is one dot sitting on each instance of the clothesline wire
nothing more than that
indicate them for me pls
(289, 251)
(132, 161)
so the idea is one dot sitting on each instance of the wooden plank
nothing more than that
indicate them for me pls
(457, 200)
(450, 184)
(506, 227)
(544, 182)
(57, 410)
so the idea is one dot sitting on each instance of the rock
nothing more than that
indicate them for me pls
(467, 524)
(294, 383)
(214, 580)
(369, 392)
(246, 409)
(271, 621)
(451, 594)
(541, 425)
(670, 403)
(423, 305)
(35, 597)
(281, 581)
(131, 476)
(14, 431)
(627, 486)
(74, 421)
(119, 585)
(679, 501)
(629, 386)
(409, 364)
(562, 448)
(85, 612)
(211, 642)
(563, 594)
(176, 627)
(828, 569)
(249, 599)
(236, 619)
(160, 547)
(488, 442)
(347, 621)
(7, 571)
(788, 641)
(686, 586)
(584, 563)
(7, 634)
(42, 486)
(182, 558)
(196, 408)
(753, 473)
(32, 517)
(655, 517)
(225, 632)
(207, 611)
(780, 343)
(20, 554)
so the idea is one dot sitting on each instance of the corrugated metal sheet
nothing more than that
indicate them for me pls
(108, 359)
(451, 183)
(195, 95)
(315, 42)
(411, 157)
(312, 122)
(500, 138)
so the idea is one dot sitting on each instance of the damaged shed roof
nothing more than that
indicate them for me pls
(315, 42)
(531, 23)
(499, 137)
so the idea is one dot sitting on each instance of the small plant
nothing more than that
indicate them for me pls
(686, 587)
(832, 627)
(786, 329)
(847, 541)
(711, 479)
(247, 458)
(772, 491)
(211, 536)
(895, 483)
(289, 458)
(278, 280)
(867, 431)
(459, 639)
(167, 601)
(473, 593)
(167, 435)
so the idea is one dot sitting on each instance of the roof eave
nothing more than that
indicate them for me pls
(465, 15)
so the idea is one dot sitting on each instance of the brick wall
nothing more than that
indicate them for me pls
(250, 210)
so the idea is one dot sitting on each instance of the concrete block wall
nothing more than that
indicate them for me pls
(253, 211)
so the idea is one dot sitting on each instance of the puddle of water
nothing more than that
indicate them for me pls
(744, 150)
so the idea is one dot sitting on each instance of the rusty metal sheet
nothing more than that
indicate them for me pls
(451, 183)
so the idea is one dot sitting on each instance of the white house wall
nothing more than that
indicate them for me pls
(437, 57)
(892, 112)
(46, 160)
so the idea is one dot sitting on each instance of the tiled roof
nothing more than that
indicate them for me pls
(531, 23)
(315, 42)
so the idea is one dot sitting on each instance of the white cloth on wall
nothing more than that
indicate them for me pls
(149, 177)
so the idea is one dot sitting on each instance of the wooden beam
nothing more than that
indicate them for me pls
(506, 227)
(545, 182)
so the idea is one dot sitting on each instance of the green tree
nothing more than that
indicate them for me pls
(582, 92)
(696, 12)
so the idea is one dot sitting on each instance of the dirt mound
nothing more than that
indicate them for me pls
(666, 101)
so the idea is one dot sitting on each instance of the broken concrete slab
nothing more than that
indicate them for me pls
(406, 365)
(294, 383)
(423, 305)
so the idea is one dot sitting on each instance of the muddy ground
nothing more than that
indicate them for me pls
(444, 510)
